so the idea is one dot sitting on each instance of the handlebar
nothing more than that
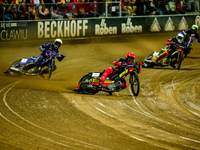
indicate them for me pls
(131, 66)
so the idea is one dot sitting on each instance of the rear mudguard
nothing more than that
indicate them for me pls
(13, 69)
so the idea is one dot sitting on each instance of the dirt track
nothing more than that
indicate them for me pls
(41, 114)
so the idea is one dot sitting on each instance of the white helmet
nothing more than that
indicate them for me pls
(57, 43)
(180, 37)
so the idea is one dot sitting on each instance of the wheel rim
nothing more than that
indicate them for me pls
(134, 85)
(180, 57)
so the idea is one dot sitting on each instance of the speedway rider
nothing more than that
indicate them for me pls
(48, 50)
(121, 64)
(191, 33)
(173, 44)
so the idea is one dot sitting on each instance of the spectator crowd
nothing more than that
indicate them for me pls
(59, 9)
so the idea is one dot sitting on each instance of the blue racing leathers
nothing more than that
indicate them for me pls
(48, 52)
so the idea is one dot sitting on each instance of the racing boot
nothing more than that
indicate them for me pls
(35, 69)
(161, 56)
(101, 82)
(27, 67)
(45, 71)
(172, 65)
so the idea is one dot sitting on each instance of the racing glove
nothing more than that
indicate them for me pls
(138, 67)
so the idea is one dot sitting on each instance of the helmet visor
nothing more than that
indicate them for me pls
(130, 59)
(194, 31)
(58, 44)
(179, 38)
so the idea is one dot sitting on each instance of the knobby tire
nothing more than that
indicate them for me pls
(51, 68)
(135, 83)
(180, 58)
(14, 73)
(86, 78)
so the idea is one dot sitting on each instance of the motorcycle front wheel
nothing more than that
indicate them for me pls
(50, 69)
(135, 83)
(180, 59)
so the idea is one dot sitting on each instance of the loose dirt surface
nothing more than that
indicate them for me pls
(42, 114)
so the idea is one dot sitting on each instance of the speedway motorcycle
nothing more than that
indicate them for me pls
(89, 83)
(18, 68)
(174, 60)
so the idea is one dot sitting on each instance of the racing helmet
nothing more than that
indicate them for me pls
(180, 37)
(130, 58)
(57, 43)
(194, 28)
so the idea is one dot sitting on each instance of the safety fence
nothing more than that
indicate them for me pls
(87, 9)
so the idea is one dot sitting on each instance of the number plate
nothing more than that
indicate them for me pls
(24, 60)
(155, 54)
(95, 74)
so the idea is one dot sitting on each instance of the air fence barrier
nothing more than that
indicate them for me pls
(103, 25)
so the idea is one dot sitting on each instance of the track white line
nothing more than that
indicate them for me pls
(81, 143)
(48, 139)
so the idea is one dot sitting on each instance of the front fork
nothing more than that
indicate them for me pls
(179, 52)
(131, 79)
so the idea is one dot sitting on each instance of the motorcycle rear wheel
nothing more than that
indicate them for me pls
(14, 73)
(146, 64)
(135, 84)
(86, 79)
